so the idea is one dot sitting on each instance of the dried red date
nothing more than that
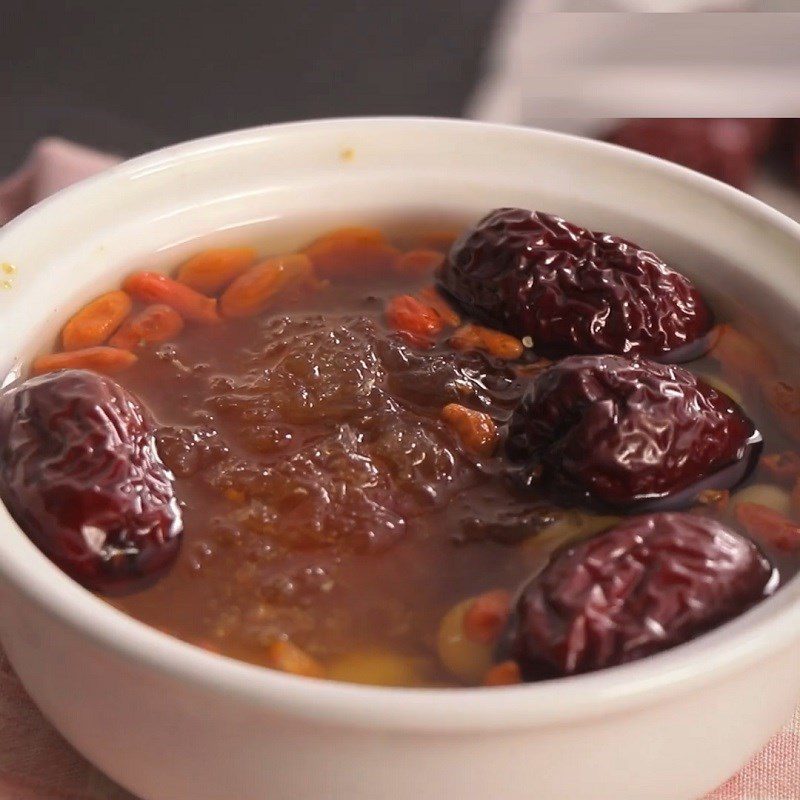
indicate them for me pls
(629, 433)
(80, 473)
(648, 584)
(573, 290)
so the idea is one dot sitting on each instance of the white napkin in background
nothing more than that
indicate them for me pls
(581, 72)
(579, 67)
(666, 6)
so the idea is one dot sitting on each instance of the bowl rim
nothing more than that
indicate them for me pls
(764, 630)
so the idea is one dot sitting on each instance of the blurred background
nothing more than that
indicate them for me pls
(130, 76)
(125, 77)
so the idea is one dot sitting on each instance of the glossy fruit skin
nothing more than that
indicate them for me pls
(648, 584)
(626, 433)
(572, 290)
(80, 473)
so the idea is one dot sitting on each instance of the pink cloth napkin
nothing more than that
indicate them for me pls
(51, 165)
(37, 764)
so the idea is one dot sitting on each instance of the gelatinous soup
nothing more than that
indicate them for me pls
(413, 462)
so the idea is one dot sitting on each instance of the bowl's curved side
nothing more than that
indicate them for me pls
(165, 738)
(150, 210)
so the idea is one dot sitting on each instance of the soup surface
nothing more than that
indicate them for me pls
(366, 485)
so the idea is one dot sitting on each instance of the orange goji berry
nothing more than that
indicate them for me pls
(784, 401)
(416, 321)
(784, 466)
(477, 337)
(768, 525)
(476, 430)
(99, 359)
(152, 287)
(431, 297)
(350, 252)
(156, 323)
(506, 673)
(418, 262)
(288, 657)
(253, 291)
(212, 270)
(486, 616)
(96, 321)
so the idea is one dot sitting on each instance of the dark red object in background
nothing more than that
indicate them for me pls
(80, 473)
(648, 584)
(726, 149)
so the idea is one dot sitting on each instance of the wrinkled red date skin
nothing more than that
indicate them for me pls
(80, 473)
(622, 433)
(572, 290)
(725, 149)
(648, 584)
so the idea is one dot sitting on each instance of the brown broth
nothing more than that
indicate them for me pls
(235, 587)
(324, 501)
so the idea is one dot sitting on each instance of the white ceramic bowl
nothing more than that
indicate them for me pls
(172, 722)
